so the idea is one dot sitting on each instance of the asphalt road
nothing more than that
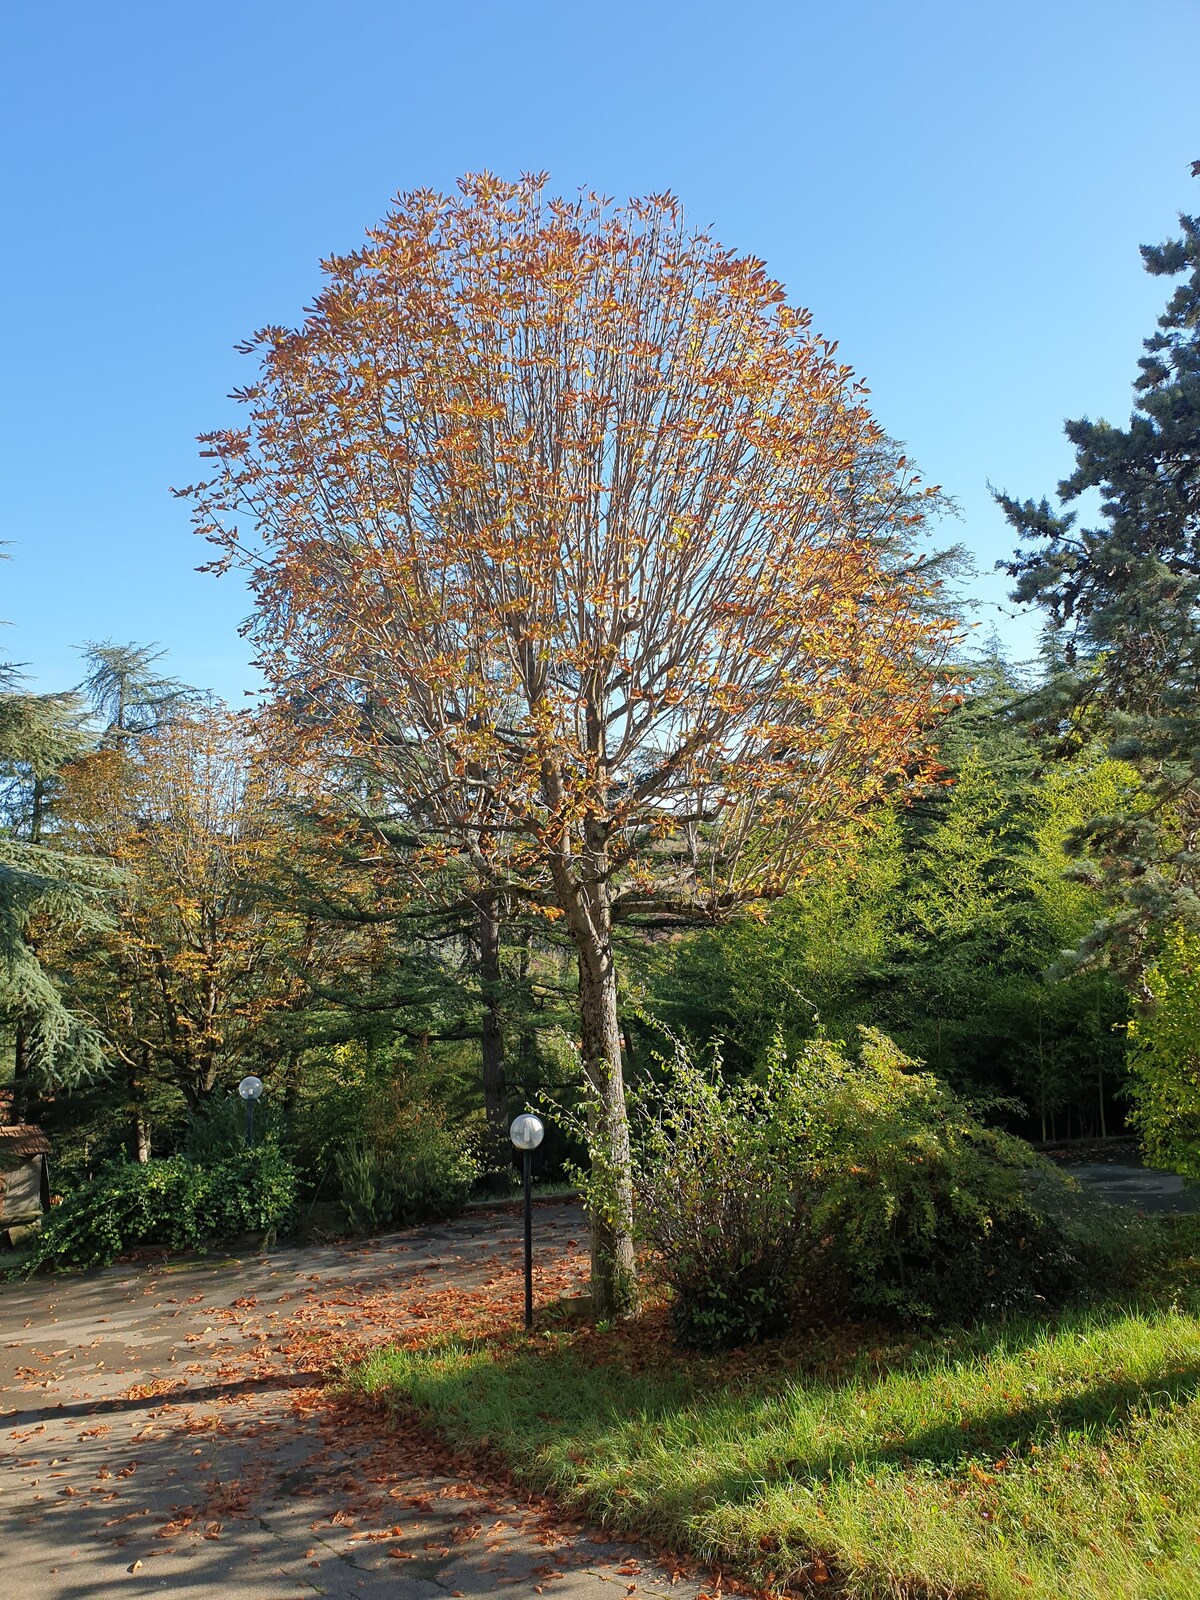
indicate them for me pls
(170, 1428)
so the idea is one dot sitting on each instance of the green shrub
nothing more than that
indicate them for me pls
(218, 1131)
(173, 1202)
(830, 1181)
(364, 1190)
(937, 1218)
(375, 1124)
(397, 1156)
(252, 1191)
(397, 1175)
(1165, 1055)
(717, 1199)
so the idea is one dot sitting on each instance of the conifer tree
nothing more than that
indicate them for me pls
(126, 692)
(1123, 601)
(44, 890)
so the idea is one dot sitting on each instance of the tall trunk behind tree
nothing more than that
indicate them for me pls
(291, 1081)
(495, 1086)
(139, 1128)
(614, 1267)
(527, 1035)
(22, 1085)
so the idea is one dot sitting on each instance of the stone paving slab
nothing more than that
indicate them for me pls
(141, 1450)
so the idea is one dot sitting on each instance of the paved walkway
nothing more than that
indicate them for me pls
(1128, 1183)
(169, 1428)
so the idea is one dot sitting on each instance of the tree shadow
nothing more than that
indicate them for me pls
(1098, 1411)
(542, 1397)
(265, 1501)
(182, 1393)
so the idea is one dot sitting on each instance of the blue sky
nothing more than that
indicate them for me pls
(957, 191)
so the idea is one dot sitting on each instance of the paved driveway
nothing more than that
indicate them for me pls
(168, 1428)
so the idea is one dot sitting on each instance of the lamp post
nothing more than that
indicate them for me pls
(527, 1132)
(250, 1089)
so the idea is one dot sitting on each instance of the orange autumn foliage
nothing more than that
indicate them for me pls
(569, 515)
(197, 962)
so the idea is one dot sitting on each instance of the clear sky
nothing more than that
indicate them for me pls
(956, 190)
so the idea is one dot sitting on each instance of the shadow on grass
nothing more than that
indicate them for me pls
(545, 1405)
(1096, 1412)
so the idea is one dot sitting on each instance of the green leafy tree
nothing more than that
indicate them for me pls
(947, 925)
(59, 897)
(1165, 1057)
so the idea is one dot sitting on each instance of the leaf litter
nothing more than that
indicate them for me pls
(270, 1367)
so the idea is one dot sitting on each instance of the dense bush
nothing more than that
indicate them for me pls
(718, 1200)
(421, 1173)
(174, 1202)
(833, 1180)
(374, 1128)
(937, 1218)
(218, 1131)
(1165, 1057)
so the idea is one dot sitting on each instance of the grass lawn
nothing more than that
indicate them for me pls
(1031, 1461)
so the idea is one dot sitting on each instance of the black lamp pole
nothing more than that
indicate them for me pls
(526, 1134)
(528, 1164)
(250, 1088)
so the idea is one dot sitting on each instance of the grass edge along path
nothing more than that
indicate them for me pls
(1036, 1462)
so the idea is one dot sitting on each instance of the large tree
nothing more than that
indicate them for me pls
(1122, 596)
(562, 514)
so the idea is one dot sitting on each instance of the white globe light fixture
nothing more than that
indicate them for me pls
(250, 1089)
(526, 1133)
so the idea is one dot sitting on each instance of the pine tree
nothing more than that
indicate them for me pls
(1123, 602)
(44, 890)
(126, 692)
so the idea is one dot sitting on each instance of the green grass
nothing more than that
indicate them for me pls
(1039, 1461)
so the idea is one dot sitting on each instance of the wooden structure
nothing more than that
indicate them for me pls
(24, 1176)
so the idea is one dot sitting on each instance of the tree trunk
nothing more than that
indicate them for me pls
(139, 1130)
(495, 1085)
(527, 1034)
(291, 1081)
(22, 1086)
(37, 811)
(614, 1267)
(140, 1138)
